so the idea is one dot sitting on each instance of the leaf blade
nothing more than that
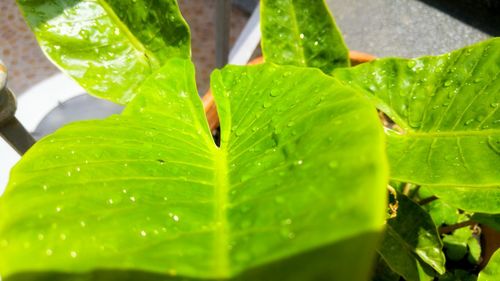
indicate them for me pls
(291, 37)
(412, 244)
(448, 108)
(156, 195)
(105, 47)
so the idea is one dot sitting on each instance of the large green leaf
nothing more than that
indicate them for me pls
(448, 108)
(302, 33)
(492, 271)
(485, 199)
(411, 244)
(108, 46)
(296, 190)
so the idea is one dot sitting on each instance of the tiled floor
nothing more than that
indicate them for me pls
(28, 66)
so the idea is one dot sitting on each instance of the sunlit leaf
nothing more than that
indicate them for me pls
(109, 47)
(302, 33)
(447, 107)
(492, 270)
(149, 193)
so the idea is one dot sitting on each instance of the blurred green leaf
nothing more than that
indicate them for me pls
(447, 107)
(302, 33)
(383, 272)
(411, 243)
(109, 47)
(148, 192)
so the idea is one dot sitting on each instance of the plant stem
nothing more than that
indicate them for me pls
(427, 200)
(453, 227)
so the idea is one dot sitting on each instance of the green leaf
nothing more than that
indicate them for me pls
(492, 271)
(447, 107)
(457, 244)
(302, 33)
(458, 275)
(411, 243)
(484, 199)
(492, 221)
(108, 46)
(296, 190)
(440, 211)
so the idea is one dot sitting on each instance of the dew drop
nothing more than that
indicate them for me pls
(266, 104)
(49, 252)
(239, 132)
(448, 83)
(132, 198)
(302, 36)
(175, 218)
(333, 164)
(494, 105)
(468, 122)
(274, 93)
(411, 63)
(143, 233)
(73, 254)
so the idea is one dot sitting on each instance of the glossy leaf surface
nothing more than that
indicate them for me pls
(411, 245)
(108, 46)
(149, 191)
(447, 107)
(492, 270)
(302, 33)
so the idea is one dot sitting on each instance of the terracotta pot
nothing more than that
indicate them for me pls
(208, 99)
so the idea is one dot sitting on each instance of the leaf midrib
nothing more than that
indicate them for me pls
(300, 49)
(221, 185)
(136, 43)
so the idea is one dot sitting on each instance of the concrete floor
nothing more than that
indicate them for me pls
(405, 28)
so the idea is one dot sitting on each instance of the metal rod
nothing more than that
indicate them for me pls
(10, 129)
(13, 132)
(222, 29)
